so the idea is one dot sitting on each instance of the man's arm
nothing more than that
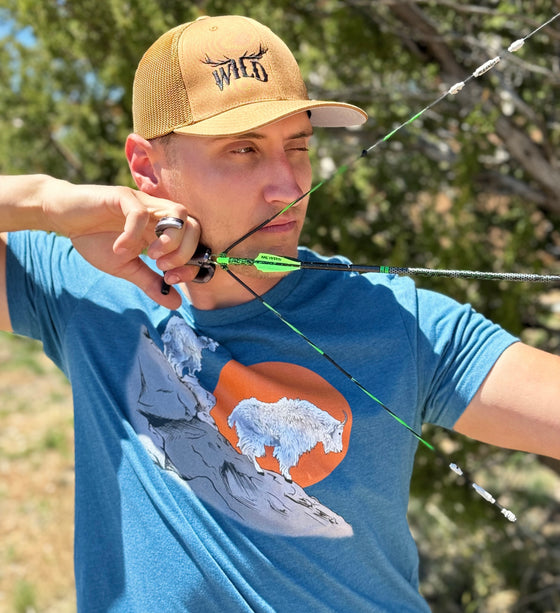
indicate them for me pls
(518, 404)
(109, 226)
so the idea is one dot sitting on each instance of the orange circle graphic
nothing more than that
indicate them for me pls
(268, 382)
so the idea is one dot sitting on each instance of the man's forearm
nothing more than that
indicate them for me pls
(22, 200)
(110, 226)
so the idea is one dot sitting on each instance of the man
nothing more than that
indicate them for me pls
(222, 463)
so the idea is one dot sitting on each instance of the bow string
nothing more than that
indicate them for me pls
(273, 263)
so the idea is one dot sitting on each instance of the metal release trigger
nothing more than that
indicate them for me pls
(202, 258)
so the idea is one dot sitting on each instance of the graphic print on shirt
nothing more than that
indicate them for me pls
(248, 449)
(290, 426)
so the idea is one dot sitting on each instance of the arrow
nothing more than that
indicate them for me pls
(267, 262)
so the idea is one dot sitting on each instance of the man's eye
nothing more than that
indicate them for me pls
(247, 149)
(298, 148)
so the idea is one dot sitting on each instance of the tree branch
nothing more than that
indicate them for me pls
(543, 170)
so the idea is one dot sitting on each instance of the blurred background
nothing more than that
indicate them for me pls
(474, 184)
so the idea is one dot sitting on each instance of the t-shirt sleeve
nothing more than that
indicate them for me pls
(457, 348)
(45, 278)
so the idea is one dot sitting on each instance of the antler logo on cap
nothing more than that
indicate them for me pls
(246, 66)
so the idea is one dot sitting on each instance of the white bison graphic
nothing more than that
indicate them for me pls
(291, 426)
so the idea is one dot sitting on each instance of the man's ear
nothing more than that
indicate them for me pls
(143, 161)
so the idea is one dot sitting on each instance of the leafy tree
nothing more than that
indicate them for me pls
(473, 183)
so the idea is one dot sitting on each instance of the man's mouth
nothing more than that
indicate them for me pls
(278, 226)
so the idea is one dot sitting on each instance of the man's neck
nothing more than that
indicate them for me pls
(224, 291)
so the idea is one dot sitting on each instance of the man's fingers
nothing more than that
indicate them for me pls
(132, 238)
(175, 246)
(181, 274)
(150, 283)
(130, 229)
(141, 213)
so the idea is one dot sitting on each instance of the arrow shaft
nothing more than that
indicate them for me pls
(273, 263)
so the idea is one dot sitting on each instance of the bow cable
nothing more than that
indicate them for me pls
(271, 263)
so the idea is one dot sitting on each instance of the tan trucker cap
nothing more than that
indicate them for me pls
(219, 76)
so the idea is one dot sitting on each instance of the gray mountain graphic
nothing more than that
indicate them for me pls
(184, 440)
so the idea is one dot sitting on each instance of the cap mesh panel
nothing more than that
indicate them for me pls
(160, 102)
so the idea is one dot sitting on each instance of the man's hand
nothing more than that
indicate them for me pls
(110, 226)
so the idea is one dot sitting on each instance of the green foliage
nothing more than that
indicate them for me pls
(19, 352)
(455, 190)
(470, 555)
(24, 597)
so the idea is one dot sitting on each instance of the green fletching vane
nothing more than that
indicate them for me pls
(266, 262)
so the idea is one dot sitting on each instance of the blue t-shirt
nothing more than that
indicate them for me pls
(222, 464)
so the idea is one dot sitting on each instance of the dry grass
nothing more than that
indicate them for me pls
(36, 482)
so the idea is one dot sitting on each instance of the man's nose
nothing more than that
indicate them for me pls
(286, 180)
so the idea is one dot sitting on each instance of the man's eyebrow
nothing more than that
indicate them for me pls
(260, 136)
(302, 134)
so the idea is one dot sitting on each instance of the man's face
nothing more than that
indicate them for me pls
(232, 184)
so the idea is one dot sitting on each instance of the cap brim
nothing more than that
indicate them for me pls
(258, 114)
